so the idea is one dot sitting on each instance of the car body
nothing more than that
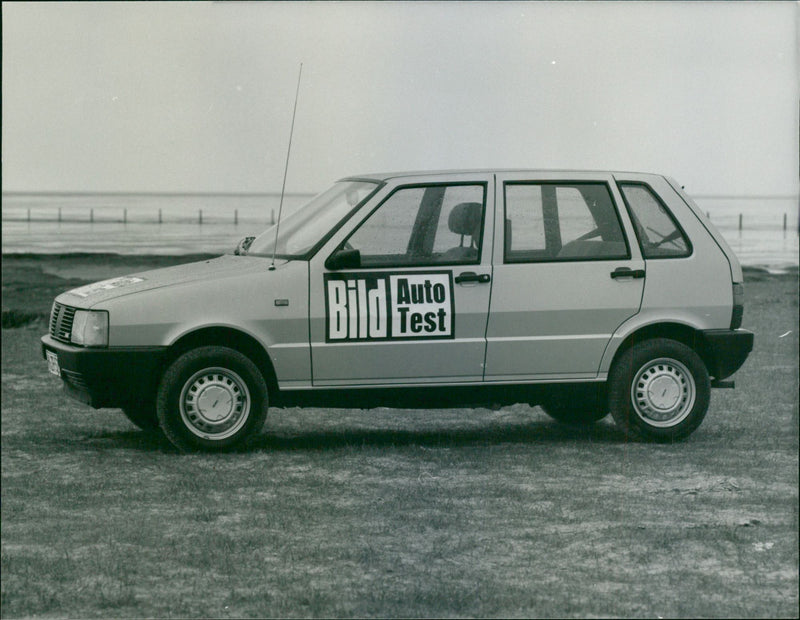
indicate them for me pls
(583, 292)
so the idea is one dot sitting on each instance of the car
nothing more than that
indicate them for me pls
(586, 293)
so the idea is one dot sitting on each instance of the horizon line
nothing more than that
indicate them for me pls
(305, 193)
(145, 193)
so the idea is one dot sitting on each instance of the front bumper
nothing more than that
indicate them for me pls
(726, 350)
(111, 377)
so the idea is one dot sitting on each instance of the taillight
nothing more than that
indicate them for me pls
(738, 306)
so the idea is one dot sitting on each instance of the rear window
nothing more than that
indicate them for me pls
(658, 231)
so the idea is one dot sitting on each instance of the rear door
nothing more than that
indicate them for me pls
(567, 273)
(415, 307)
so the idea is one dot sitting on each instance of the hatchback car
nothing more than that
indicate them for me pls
(586, 293)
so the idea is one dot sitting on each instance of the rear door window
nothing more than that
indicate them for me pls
(561, 222)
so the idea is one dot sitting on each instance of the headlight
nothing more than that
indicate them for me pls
(90, 328)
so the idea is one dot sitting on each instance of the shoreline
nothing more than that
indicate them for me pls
(105, 256)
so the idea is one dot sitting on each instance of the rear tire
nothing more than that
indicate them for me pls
(211, 398)
(659, 390)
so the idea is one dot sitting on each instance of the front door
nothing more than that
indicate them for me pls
(567, 273)
(413, 307)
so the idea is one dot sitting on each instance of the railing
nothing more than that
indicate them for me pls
(74, 215)
(77, 215)
(741, 221)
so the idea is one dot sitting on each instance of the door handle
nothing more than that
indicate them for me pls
(627, 272)
(471, 276)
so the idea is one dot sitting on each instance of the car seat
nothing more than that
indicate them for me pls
(465, 219)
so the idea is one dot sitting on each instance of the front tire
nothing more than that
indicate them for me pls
(142, 415)
(211, 398)
(659, 390)
(576, 405)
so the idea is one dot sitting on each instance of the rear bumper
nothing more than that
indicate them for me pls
(726, 350)
(107, 377)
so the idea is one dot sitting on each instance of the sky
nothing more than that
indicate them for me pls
(198, 97)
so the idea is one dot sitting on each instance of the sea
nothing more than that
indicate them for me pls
(762, 230)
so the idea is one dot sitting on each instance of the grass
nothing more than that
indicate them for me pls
(31, 281)
(452, 513)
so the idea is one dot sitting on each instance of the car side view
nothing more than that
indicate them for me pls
(586, 293)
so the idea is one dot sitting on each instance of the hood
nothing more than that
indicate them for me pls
(215, 268)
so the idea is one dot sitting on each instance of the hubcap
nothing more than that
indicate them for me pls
(663, 392)
(215, 403)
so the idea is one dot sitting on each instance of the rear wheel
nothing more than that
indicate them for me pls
(660, 390)
(211, 398)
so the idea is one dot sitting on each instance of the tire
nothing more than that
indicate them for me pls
(211, 398)
(576, 408)
(575, 415)
(659, 390)
(142, 415)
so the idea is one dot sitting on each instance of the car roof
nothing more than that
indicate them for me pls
(385, 176)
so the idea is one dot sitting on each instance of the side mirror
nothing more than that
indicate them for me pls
(242, 246)
(344, 259)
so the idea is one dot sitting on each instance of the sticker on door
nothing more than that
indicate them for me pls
(389, 306)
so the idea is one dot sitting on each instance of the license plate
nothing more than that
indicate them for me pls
(52, 363)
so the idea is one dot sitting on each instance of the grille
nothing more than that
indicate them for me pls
(61, 322)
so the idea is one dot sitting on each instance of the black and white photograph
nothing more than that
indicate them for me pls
(377, 309)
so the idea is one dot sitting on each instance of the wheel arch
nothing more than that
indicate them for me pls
(226, 337)
(680, 332)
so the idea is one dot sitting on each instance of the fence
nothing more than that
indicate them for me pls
(113, 216)
(116, 216)
(741, 221)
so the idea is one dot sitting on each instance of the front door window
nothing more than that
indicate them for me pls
(418, 226)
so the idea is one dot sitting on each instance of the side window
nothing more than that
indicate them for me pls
(428, 225)
(452, 214)
(561, 222)
(573, 214)
(524, 219)
(657, 229)
(388, 231)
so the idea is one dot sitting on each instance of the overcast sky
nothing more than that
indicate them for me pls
(198, 96)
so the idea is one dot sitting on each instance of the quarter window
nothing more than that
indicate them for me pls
(423, 225)
(561, 222)
(658, 232)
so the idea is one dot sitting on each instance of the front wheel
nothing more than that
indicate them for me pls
(576, 407)
(659, 390)
(574, 416)
(143, 415)
(211, 398)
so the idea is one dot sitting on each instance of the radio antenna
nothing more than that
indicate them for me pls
(286, 170)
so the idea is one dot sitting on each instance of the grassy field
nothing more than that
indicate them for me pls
(335, 512)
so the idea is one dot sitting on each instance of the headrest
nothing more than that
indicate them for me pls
(465, 219)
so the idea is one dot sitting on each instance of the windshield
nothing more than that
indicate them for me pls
(306, 227)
